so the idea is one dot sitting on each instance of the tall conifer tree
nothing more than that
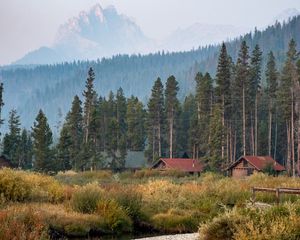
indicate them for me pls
(42, 140)
(155, 123)
(74, 126)
(89, 95)
(11, 141)
(286, 100)
(223, 95)
(255, 89)
(242, 84)
(172, 112)
(272, 85)
(204, 101)
(135, 118)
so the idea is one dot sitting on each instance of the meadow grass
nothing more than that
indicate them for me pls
(100, 203)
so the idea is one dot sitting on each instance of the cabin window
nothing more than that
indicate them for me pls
(249, 171)
(245, 163)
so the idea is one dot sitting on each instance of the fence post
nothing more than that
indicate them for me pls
(277, 196)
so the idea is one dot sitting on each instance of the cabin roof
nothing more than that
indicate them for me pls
(183, 164)
(259, 162)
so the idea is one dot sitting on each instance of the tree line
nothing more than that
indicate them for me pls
(49, 87)
(225, 117)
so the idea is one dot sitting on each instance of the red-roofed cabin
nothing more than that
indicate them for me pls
(247, 165)
(182, 164)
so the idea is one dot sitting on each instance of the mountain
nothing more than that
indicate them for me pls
(91, 35)
(52, 87)
(201, 35)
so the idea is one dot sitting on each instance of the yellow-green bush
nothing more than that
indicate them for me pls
(85, 199)
(21, 186)
(277, 222)
(222, 227)
(13, 187)
(114, 216)
(43, 188)
(176, 221)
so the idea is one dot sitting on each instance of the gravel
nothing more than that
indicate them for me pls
(190, 236)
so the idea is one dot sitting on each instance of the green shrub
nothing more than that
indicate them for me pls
(85, 199)
(114, 216)
(130, 200)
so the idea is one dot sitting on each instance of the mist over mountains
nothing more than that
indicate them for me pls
(102, 33)
(99, 33)
(91, 35)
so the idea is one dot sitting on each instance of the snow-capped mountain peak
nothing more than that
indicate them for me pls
(98, 12)
(94, 34)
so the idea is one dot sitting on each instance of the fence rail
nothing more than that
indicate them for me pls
(277, 191)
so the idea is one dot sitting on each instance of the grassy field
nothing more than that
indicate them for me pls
(35, 206)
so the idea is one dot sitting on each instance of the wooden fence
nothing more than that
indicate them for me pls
(277, 191)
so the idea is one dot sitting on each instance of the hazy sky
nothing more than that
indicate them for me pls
(28, 24)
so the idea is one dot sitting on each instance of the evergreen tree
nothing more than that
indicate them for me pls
(135, 118)
(25, 150)
(103, 123)
(112, 143)
(286, 102)
(155, 121)
(94, 141)
(215, 141)
(186, 126)
(172, 112)
(271, 89)
(64, 161)
(242, 86)
(204, 101)
(42, 140)
(121, 108)
(255, 87)
(223, 94)
(74, 125)
(12, 139)
(89, 95)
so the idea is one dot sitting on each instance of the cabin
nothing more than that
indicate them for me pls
(187, 165)
(4, 162)
(247, 165)
(134, 160)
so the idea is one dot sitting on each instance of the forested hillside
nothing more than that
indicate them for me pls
(51, 87)
(229, 116)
